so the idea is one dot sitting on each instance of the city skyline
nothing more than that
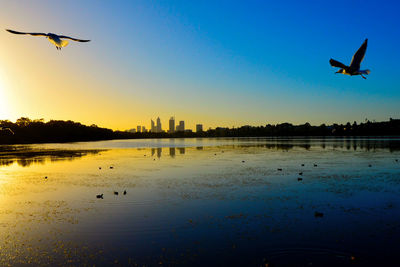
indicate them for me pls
(157, 128)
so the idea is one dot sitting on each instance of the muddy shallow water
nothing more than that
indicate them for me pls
(202, 202)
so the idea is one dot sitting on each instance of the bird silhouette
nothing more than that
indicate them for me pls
(55, 39)
(354, 68)
(318, 214)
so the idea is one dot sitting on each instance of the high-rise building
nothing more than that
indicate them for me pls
(171, 125)
(153, 127)
(158, 127)
(181, 126)
(139, 128)
(143, 129)
(199, 127)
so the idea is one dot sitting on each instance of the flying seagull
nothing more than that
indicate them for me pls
(53, 38)
(354, 68)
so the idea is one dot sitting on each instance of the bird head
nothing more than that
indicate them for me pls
(339, 71)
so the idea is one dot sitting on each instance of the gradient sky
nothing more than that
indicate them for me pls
(219, 63)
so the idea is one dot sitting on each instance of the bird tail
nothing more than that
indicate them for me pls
(64, 43)
(365, 72)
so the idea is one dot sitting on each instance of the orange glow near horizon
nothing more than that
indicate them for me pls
(143, 63)
(5, 108)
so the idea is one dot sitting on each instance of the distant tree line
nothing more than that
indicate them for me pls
(386, 128)
(37, 131)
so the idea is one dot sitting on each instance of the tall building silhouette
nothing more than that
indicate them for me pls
(158, 127)
(181, 126)
(139, 129)
(199, 127)
(143, 129)
(153, 127)
(171, 125)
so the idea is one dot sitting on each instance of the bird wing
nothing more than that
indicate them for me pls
(30, 33)
(335, 63)
(359, 56)
(73, 39)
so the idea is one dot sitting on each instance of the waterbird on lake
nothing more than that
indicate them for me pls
(302, 165)
(318, 214)
(100, 196)
(315, 165)
(55, 39)
(99, 168)
(279, 169)
(111, 167)
(7, 129)
(124, 192)
(354, 68)
(116, 193)
(369, 165)
(299, 179)
(300, 173)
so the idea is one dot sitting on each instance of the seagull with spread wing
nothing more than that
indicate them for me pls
(55, 39)
(354, 68)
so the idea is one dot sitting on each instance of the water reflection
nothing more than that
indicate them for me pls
(219, 201)
(25, 156)
(172, 151)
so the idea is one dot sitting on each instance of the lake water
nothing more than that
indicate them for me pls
(202, 202)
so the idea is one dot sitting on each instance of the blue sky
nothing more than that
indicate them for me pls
(220, 63)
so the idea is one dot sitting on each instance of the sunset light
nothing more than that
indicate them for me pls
(199, 133)
(5, 108)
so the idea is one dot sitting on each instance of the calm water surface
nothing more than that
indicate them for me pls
(201, 202)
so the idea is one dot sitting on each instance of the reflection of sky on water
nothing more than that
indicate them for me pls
(346, 142)
(26, 155)
(217, 203)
